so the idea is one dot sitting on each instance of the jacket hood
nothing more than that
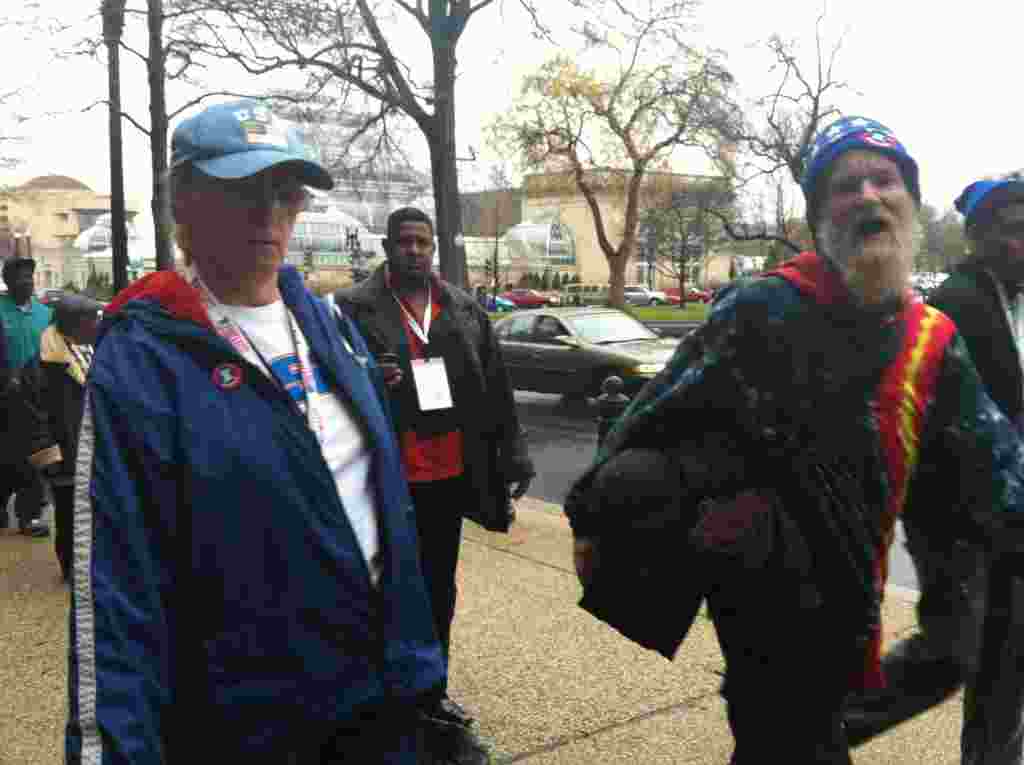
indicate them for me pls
(163, 292)
(368, 291)
(169, 304)
(815, 277)
(818, 278)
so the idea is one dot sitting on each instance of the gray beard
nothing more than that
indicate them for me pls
(844, 256)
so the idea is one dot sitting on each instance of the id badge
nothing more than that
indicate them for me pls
(432, 388)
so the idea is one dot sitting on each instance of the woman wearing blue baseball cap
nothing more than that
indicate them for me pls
(245, 559)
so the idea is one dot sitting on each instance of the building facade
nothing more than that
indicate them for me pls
(52, 211)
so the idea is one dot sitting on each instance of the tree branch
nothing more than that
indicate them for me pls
(124, 115)
(763, 235)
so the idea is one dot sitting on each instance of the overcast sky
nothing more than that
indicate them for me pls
(945, 81)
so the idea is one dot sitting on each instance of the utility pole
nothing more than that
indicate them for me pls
(113, 26)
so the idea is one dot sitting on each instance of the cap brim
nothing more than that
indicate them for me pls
(246, 163)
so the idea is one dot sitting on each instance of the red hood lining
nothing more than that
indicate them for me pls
(809, 273)
(170, 290)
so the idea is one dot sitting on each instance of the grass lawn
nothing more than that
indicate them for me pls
(688, 312)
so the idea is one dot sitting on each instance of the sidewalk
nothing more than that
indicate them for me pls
(549, 684)
(553, 686)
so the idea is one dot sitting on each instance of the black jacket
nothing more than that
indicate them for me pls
(970, 299)
(494, 447)
(64, 401)
(24, 430)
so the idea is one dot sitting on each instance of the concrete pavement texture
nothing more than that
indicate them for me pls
(548, 683)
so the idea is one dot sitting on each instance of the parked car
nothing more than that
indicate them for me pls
(572, 350)
(637, 294)
(498, 304)
(554, 297)
(585, 294)
(693, 295)
(51, 296)
(526, 298)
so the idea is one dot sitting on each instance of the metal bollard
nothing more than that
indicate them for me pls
(610, 406)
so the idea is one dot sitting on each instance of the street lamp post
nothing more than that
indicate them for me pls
(112, 12)
(355, 254)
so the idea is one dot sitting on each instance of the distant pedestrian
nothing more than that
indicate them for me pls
(65, 356)
(24, 319)
(765, 467)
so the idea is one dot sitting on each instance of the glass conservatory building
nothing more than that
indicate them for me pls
(540, 247)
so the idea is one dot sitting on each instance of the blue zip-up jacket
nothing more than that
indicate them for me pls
(221, 606)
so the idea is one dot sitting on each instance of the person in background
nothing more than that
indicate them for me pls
(246, 584)
(462, 446)
(24, 318)
(765, 467)
(977, 611)
(65, 356)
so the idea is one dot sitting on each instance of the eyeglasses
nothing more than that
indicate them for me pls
(258, 192)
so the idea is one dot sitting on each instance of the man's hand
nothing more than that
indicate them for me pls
(392, 375)
(585, 558)
(518, 489)
(519, 474)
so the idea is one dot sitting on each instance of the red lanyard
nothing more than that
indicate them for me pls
(227, 328)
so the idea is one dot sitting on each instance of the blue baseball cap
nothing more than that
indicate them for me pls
(847, 134)
(241, 138)
(981, 197)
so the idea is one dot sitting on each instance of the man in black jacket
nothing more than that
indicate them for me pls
(974, 613)
(961, 589)
(455, 415)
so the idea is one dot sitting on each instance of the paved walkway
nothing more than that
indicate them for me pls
(550, 685)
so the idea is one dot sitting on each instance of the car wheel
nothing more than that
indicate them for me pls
(654, 301)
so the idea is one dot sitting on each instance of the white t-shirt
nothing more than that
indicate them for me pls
(343, 445)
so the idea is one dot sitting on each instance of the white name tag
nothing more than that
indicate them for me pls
(432, 388)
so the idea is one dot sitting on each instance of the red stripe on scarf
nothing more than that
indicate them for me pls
(904, 396)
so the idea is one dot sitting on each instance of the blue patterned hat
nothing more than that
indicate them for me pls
(980, 198)
(846, 134)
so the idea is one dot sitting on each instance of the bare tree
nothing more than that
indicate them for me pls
(26, 24)
(610, 131)
(345, 44)
(781, 127)
(682, 230)
(169, 58)
(11, 134)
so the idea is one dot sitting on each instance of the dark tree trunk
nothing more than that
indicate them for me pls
(113, 25)
(158, 137)
(441, 138)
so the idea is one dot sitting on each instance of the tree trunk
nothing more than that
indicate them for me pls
(158, 138)
(442, 164)
(617, 278)
(113, 25)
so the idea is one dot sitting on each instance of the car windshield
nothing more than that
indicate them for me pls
(610, 327)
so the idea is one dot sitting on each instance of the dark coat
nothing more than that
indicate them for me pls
(741, 407)
(970, 299)
(494, 447)
(24, 430)
(64, 400)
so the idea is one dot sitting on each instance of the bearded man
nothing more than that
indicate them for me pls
(765, 467)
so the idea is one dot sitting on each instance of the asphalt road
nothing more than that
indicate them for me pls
(563, 438)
